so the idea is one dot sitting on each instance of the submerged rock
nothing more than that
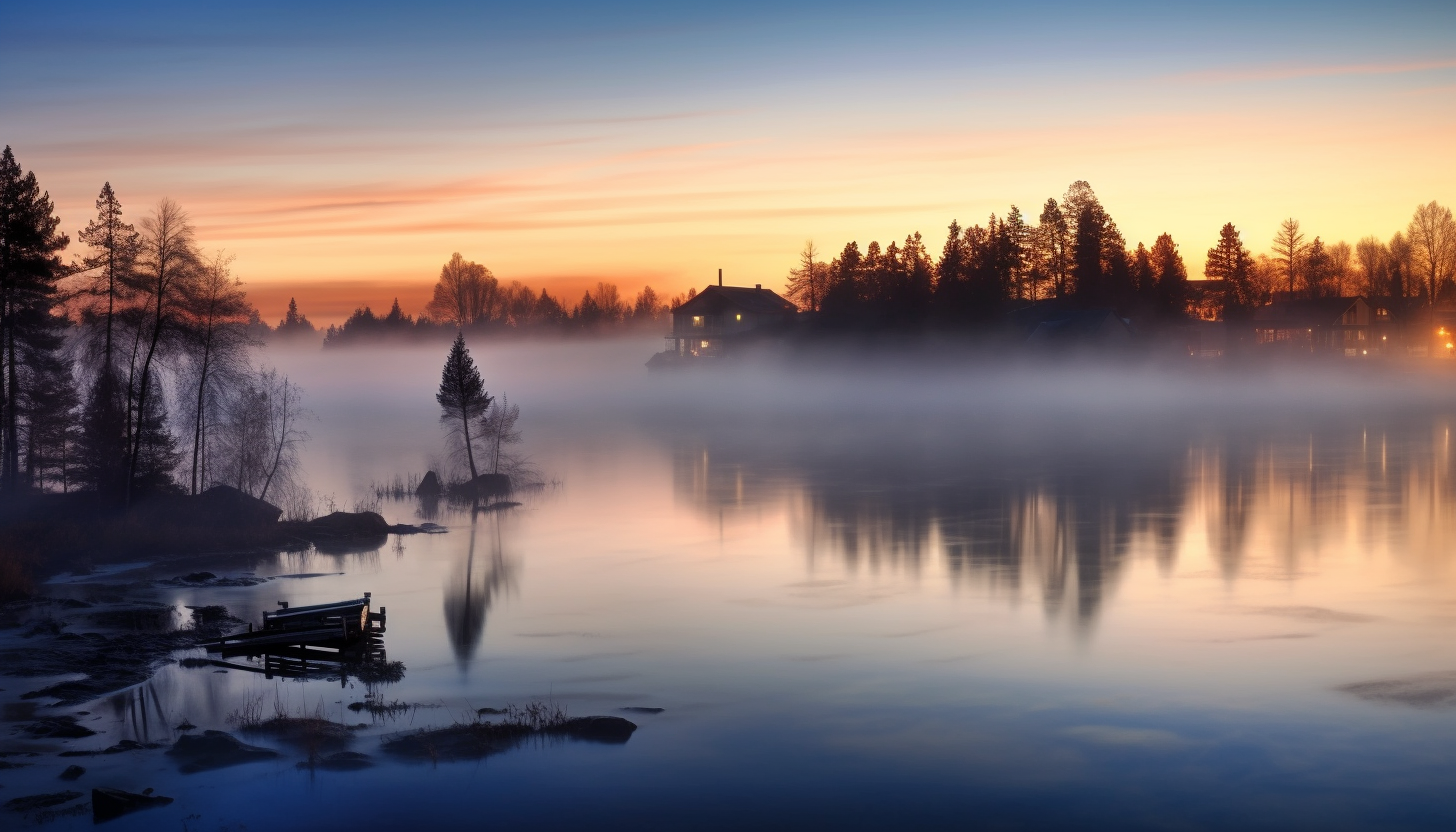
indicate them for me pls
(58, 727)
(72, 773)
(310, 732)
(31, 802)
(340, 761)
(120, 748)
(216, 749)
(606, 729)
(113, 803)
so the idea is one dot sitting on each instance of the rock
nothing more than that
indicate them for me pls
(485, 485)
(198, 577)
(120, 748)
(340, 761)
(59, 727)
(215, 749)
(30, 803)
(488, 711)
(342, 524)
(186, 725)
(72, 773)
(4, 764)
(113, 803)
(429, 487)
(607, 729)
(639, 710)
(432, 528)
(223, 505)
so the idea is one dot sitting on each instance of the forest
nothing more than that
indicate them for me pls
(1074, 254)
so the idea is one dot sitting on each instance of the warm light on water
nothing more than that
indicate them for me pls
(1102, 618)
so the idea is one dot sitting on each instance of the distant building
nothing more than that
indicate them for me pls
(714, 320)
(1353, 327)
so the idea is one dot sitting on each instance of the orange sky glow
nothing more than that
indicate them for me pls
(344, 194)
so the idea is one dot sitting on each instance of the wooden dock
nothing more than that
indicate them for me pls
(295, 641)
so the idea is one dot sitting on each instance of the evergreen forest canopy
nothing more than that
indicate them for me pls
(1074, 254)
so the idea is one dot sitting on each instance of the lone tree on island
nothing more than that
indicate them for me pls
(462, 397)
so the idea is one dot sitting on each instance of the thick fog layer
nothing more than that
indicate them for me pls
(375, 410)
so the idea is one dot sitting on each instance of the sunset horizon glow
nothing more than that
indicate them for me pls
(344, 157)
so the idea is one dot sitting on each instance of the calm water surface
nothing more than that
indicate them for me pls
(980, 604)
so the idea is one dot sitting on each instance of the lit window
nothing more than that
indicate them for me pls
(738, 317)
(705, 345)
(697, 320)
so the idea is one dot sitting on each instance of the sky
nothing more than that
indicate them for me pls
(342, 152)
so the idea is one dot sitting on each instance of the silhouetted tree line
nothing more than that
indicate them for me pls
(130, 370)
(1074, 255)
(469, 298)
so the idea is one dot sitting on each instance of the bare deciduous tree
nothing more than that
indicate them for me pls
(1432, 234)
(168, 268)
(806, 281)
(217, 340)
(261, 435)
(498, 429)
(1289, 248)
(465, 295)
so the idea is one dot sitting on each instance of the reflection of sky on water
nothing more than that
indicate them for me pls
(1145, 631)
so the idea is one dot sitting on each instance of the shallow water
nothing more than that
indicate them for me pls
(872, 596)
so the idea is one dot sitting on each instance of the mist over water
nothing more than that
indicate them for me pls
(873, 592)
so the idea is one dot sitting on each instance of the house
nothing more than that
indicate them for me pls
(1351, 327)
(717, 318)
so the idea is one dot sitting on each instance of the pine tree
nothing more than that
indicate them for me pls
(103, 448)
(462, 397)
(114, 250)
(29, 268)
(1171, 277)
(1230, 262)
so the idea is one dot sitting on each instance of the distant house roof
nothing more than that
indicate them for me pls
(755, 300)
(1307, 312)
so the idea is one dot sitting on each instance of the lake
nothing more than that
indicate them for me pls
(869, 593)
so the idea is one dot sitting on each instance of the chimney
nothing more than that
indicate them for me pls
(720, 277)
(758, 287)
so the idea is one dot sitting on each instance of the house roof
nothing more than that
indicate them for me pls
(1304, 312)
(718, 298)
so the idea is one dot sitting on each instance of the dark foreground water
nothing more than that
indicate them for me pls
(1151, 599)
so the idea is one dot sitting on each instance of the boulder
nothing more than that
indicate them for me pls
(429, 487)
(347, 524)
(606, 729)
(215, 749)
(113, 803)
(72, 773)
(485, 485)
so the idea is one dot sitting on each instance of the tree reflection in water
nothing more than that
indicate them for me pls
(475, 583)
(1060, 522)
